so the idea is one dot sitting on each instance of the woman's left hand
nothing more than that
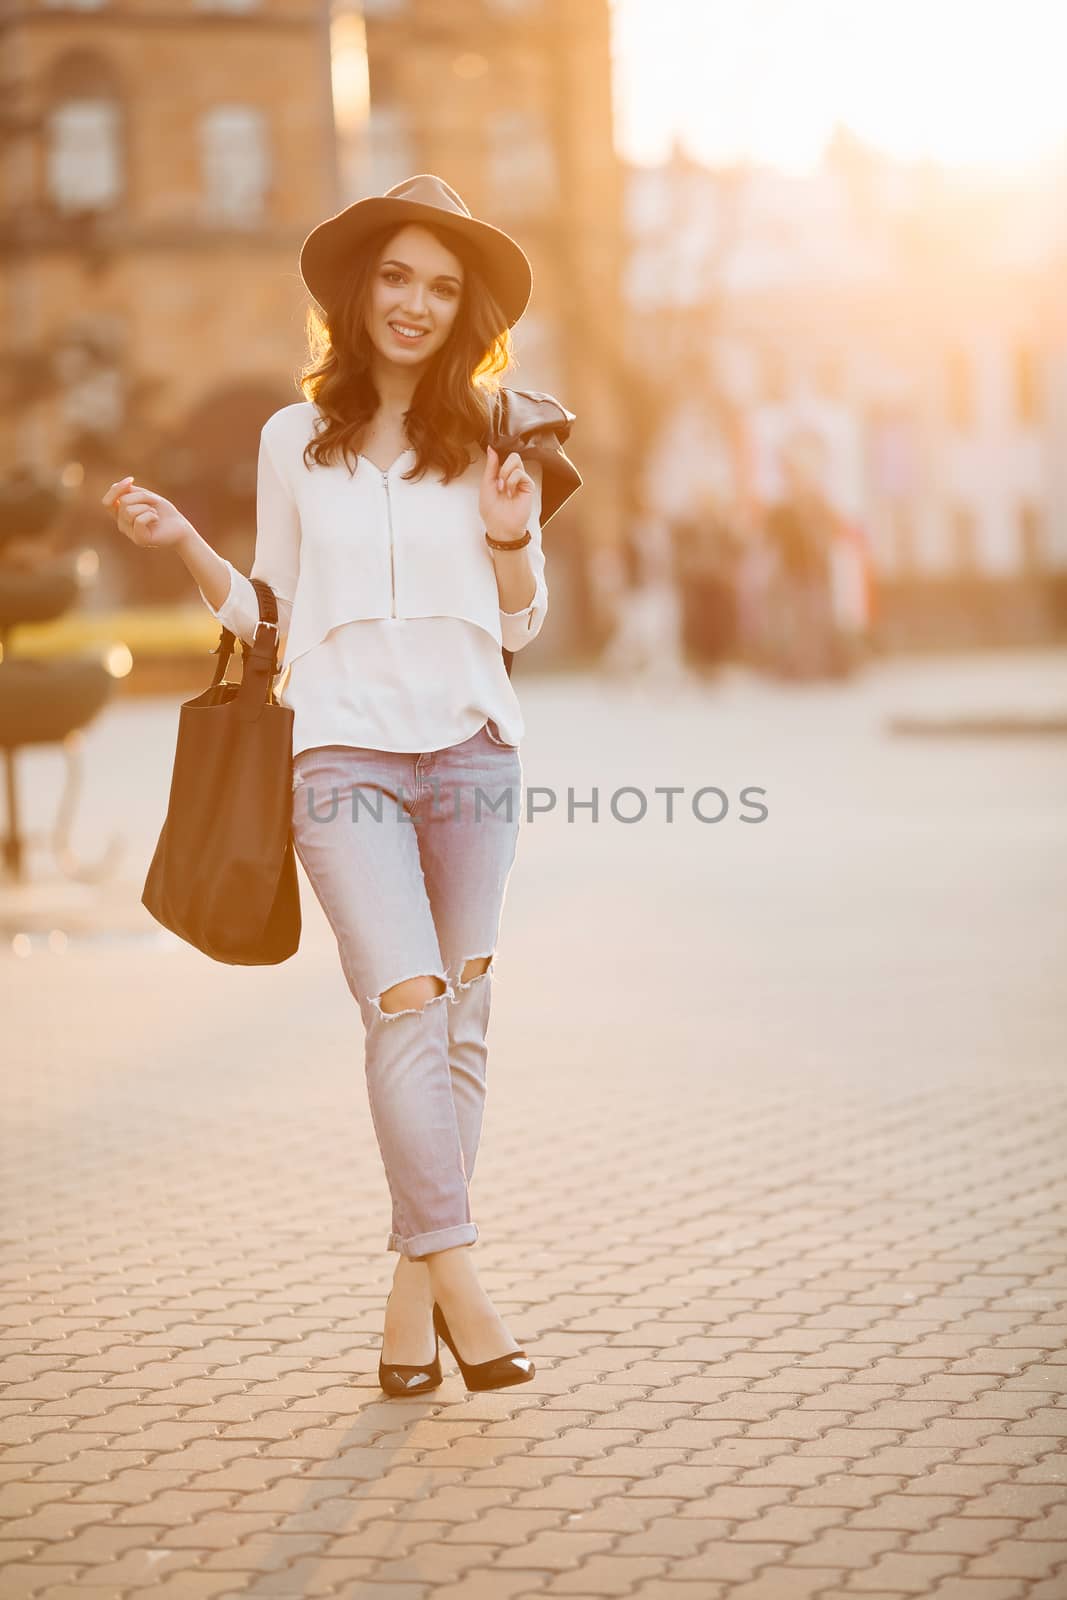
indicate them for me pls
(506, 498)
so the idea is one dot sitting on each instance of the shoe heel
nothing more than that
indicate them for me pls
(499, 1372)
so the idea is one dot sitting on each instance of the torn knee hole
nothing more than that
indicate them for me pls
(476, 967)
(412, 994)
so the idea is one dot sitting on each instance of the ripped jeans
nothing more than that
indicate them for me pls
(409, 856)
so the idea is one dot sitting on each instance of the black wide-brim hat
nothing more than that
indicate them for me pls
(327, 252)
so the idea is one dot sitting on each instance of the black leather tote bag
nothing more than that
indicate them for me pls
(223, 877)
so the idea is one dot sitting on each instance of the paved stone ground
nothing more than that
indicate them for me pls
(771, 1186)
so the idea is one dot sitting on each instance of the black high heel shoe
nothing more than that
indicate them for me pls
(499, 1372)
(397, 1379)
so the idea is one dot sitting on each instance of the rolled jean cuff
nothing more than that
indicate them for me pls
(424, 1244)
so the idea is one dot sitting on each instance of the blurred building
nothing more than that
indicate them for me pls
(163, 164)
(510, 101)
(918, 321)
(164, 160)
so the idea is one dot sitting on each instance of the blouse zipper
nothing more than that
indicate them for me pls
(392, 558)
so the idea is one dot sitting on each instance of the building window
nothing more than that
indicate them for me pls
(964, 540)
(87, 361)
(83, 163)
(1027, 386)
(235, 163)
(227, 5)
(74, 5)
(960, 389)
(522, 168)
(1031, 538)
(93, 402)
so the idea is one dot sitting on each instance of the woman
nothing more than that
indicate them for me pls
(401, 596)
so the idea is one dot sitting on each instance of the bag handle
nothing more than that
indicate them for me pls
(268, 613)
(260, 662)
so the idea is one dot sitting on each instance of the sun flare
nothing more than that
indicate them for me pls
(955, 81)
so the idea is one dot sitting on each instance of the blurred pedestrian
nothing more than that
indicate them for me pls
(852, 594)
(801, 528)
(753, 592)
(647, 641)
(707, 554)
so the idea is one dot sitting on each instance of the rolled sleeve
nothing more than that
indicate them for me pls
(240, 610)
(518, 628)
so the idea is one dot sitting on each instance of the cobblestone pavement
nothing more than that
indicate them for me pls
(771, 1187)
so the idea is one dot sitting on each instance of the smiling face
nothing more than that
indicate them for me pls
(417, 284)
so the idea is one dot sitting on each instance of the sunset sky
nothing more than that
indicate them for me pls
(968, 82)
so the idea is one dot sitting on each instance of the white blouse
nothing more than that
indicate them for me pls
(387, 598)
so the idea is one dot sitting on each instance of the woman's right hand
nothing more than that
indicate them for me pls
(145, 517)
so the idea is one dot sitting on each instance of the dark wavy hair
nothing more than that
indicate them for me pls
(448, 409)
